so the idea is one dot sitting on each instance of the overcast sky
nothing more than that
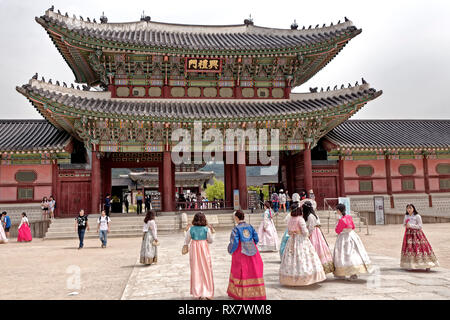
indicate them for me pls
(404, 48)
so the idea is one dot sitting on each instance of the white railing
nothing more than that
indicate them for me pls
(327, 206)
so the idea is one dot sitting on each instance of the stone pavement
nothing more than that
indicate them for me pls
(170, 277)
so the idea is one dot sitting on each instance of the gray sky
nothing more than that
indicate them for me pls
(404, 48)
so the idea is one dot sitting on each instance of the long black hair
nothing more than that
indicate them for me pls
(412, 206)
(308, 209)
(149, 216)
(341, 208)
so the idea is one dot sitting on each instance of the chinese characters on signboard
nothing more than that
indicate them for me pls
(203, 65)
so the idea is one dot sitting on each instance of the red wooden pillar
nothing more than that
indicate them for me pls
(242, 179)
(341, 177)
(387, 162)
(55, 184)
(95, 182)
(307, 166)
(427, 180)
(168, 177)
(228, 176)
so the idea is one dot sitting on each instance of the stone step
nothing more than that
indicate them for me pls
(96, 236)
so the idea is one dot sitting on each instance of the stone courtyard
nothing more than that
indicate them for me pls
(55, 269)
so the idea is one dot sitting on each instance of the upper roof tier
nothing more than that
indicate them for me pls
(223, 38)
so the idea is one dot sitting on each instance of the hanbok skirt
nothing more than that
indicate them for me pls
(246, 277)
(3, 238)
(323, 251)
(416, 251)
(202, 283)
(24, 233)
(350, 256)
(300, 264)
(284, 240)
(149, 252)
(268, 239)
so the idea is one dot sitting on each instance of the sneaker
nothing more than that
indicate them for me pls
(353, 277)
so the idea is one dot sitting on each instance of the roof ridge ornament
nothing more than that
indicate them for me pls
(249, 21)
(103, 18)
(294, 25)
(144, 17)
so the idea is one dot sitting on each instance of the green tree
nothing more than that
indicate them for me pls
(265, 190)
(216, 190)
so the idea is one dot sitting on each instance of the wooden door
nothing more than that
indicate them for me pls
(75, 196)
(324, 187)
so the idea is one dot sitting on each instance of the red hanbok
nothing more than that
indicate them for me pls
(24, 231)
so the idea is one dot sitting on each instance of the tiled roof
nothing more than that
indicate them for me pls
(391, 133)
(100, 102)
(31, 135)
(199, 37)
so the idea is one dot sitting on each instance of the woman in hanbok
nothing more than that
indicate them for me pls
(350, 257)
(416, 250)
(300, 264)
(24, 231)
(149, 247)
(317, 238)
(3, 238)
(267, 233)
(246, 276)
(196, 243)
(285, 237)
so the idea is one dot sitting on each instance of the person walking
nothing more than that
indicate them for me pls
(246, 280)
(417, 252)
(149, 246)
(24, 231)
(261, 199)
(267, 233)
(107, 206)
(300, 264)
(317, 237)
(6, 223)
(350, 257)
(139, 198)
(282, 197)
(275, 201)
(81, 224)
(51, 207)
(44, 208)
(127, 202)
(103, 228)
(147, 203)
(288, 201)
(196, 241)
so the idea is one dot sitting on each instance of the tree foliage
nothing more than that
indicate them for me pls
(216, 190)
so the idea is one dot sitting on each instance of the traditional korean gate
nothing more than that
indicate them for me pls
(75, 195)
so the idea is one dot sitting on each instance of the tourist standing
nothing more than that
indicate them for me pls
(24, 231)
(261, 199)
(103, 228)
(147, 203)
(282, 197)
(267, 233)
(416, 250)
(81, 224)
(51, 207)
(196, 243)
(44, 208)
(300, 264)
(139, 198)
(350, 257)
(3, 238)
(127, 202)
(288, 201)
(6, 223)
(275, 201)
(107, 206)
(317, 238)
(149, 247)
(246, 276)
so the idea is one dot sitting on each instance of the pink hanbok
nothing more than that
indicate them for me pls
(202, 283)
(319, 243)
(24, 231)
(267, 233)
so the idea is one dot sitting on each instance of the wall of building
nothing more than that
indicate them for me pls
(9, 186)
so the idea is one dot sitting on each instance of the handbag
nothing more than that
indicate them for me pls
(185, 249)
(155, 243)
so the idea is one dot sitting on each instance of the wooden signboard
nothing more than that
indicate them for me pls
(203, 65)
(378, 203)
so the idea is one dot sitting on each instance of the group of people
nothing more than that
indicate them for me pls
(306, 257)
(48, 207)
(103, 227)
(281, 201)
(24, 230)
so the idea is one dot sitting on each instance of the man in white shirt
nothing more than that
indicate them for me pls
(103, 225)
